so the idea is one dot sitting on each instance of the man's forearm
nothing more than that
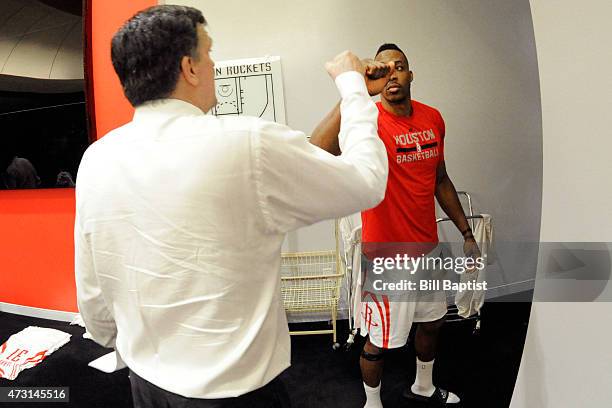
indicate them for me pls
(326, 133)
(450, 204)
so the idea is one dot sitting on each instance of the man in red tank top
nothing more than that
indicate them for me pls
(413, 134)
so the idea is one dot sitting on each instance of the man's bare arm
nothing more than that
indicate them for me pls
(326, 133)
(447, 197)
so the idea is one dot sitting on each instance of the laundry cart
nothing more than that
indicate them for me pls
(310, 284)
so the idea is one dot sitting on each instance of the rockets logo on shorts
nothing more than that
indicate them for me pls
(378, 317)
(367, 317)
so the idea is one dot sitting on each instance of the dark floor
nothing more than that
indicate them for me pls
(480, 369)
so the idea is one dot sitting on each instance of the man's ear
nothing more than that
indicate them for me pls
(411, 76)
(188, 71)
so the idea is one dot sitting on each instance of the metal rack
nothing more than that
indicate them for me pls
(310, 283)
(470, 215)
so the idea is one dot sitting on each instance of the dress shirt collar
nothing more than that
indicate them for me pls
(169, 107)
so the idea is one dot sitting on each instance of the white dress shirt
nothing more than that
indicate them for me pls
(179, 226)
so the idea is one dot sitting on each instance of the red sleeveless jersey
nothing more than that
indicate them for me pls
(415, 147)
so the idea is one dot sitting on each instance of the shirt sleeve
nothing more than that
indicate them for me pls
(298, 183)
(442, 130)
(96, 315)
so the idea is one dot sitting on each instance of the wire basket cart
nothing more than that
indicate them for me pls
(310, 283)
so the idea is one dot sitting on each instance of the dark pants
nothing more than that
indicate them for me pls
(147, 395)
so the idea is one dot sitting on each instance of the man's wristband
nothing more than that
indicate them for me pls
(467, 233)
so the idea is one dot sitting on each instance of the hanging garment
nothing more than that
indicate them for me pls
(28, 348)
(469, 302)
(350, 230)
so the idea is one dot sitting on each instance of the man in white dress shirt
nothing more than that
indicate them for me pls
(181, 217)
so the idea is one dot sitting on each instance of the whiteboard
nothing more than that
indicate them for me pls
(252, 86)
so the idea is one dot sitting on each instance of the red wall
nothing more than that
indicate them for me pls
(36, 226)
(111, 107)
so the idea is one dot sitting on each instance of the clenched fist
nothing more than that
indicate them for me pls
(344, 62)
(377, 74)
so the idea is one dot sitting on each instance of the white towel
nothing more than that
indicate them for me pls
(78, 320)
(108, 363)
(350, 230)
(28, 348)
(469, 302)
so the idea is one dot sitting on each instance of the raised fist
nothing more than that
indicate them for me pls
(377, 74)
(344, 62)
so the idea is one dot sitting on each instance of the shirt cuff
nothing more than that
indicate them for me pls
(351, 82)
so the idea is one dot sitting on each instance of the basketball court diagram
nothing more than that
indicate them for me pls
(250, 87)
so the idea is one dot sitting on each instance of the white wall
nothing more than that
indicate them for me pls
(567, 360)
(474, 60)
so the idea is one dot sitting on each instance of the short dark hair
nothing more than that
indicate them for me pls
(147, 50)
(390, 46)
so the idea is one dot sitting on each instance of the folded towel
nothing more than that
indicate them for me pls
(28, 348)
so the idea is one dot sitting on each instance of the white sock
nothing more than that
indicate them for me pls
(423, 384)
(372, 397)
(452, 398)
